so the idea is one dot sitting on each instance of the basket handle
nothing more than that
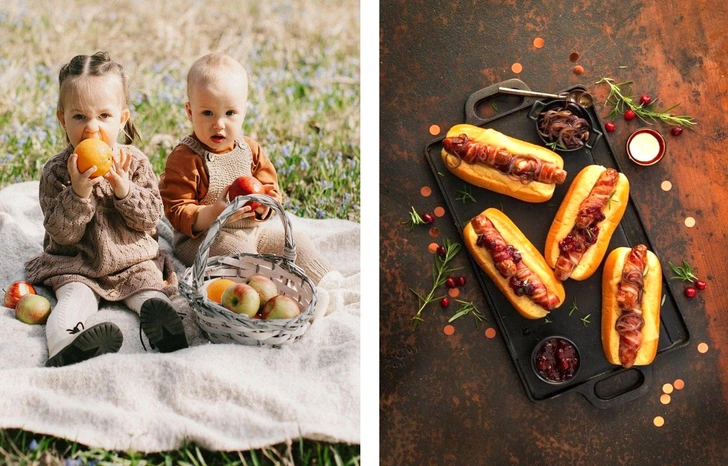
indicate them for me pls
(289, 249)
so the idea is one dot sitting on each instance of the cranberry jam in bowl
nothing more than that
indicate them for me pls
(555, 360)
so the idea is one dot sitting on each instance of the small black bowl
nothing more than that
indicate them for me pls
(541, 107)
(555, 360)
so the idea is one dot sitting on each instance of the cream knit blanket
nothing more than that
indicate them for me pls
(217, 396)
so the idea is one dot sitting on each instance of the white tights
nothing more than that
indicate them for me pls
(76, 303)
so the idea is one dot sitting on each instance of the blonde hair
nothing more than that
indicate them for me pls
(210, 67)
(98, 64)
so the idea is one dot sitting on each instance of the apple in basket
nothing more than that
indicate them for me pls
(241, 298)
(265, 287)
(281, 307)
(17, 290)
(33, 309)
(246, 185)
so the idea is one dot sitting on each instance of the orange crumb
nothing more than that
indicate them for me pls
(574, 56)
(433, 248)
(538, 42)
(689, 222)
(434, 130)
(516, 68)
(490, 332)
(702, 347)
(665, 399)
(449, 329)
(667, 388)
(425, 191)
(658, 421)
(434, 232)
(578, 70)
(666, 185)
(439, 211)
(453, 292)
(679, 384)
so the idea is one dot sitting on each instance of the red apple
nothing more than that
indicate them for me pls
(265, 287)
(17, 290)
(246, 185)
(33, 309)
(241, 298)
(281, 307)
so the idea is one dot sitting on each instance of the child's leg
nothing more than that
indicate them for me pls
(271, 241)
(76, 303)
(69, 341)
(159, 320)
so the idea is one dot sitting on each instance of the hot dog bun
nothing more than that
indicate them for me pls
(530, 256)
(566, 218)
(651, 302)
(491, 178)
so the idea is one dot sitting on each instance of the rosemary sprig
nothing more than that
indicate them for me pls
(573, 307)
(415, 219)
(468, 308)
(684, 273)
(621, 100)
(441, 269)
(585, 320)
(465, 195)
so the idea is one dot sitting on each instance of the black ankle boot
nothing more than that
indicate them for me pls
(94, 341)
(162, 326)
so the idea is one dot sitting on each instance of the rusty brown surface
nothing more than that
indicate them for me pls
(458, 399)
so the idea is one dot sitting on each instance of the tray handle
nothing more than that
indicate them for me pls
(471, 116)
(644, 378)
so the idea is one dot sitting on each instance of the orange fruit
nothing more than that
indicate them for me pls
(216, 287)
(94, 152)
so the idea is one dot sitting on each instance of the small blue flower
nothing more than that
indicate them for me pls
(33, 445)
(72, 462)
(319, 213)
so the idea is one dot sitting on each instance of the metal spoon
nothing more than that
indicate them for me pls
(577, 96)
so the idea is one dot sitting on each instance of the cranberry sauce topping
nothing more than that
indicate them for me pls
(556, 360)
(579, 239)
(513, 253)
(521, 287)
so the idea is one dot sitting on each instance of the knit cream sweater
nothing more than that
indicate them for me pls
(101, 241)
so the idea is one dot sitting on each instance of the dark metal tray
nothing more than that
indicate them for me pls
(602, 383)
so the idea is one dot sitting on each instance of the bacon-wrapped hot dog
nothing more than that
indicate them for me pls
(631, 299)
(492, 160)
(513, 263)
(584, 224)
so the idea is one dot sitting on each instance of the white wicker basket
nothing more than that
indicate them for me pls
(221, 325)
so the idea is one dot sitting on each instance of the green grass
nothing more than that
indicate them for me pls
(303, 58)
(18, 447)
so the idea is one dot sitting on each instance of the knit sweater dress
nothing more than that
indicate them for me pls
(101, 241)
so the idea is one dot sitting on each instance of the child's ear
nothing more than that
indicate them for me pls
(125, 115)
(61, 118)
(188, 110)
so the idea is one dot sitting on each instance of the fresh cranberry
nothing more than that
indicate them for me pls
(676, 131)
(450, 282)
(462, 280)
(701, 285)
(690, 292)
(630, 115)
(428, 218)
(444, 302)
(609, 126)
(645, 99)
(441, 250)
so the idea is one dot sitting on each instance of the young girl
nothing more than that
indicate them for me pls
(98, 241)
(199, 171)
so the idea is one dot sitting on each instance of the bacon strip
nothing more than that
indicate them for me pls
(585, 232)
(629, 300)
(591, 208)
(509, 264)
(496, 245)
(526, 168)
